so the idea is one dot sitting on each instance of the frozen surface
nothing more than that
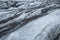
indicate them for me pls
(29, 20)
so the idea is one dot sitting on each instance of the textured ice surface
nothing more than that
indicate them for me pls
(29, 20)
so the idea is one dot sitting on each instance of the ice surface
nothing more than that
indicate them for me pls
(25, 20)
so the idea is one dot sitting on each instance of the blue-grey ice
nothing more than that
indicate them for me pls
(30, 20)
